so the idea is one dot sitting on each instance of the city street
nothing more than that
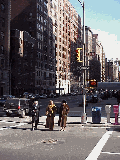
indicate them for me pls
(19, 142)
(77, 142)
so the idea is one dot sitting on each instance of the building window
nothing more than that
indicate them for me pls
(3, 22)
(2, 63)
(45, 3)
(2, 7)
(45, 21)
(2, 35)
(2, 49)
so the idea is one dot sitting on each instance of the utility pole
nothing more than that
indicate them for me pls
(83, 117)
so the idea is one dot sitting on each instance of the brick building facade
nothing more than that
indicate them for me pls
(4, 46)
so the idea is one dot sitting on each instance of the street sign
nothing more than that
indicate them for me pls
(84, 67)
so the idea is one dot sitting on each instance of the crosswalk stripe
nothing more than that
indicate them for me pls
(98, 148)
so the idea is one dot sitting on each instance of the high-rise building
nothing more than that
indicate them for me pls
(69, 29)
(22, 62)
(56, 27)
(88, 47)
(32, 16)
(4, 46)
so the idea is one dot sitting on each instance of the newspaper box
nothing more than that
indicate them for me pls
(116, 111)
(116, 108)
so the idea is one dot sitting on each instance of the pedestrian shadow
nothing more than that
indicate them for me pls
(20, 128)
(47, 129)
(38, 129)
(73, 123)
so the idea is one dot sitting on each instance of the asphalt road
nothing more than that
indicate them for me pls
(22, 143)
(17, 141)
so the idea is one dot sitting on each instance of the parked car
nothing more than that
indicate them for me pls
(2, 101)
(57, 95)
(73, 94)
(89, 98)
(94, 98)
(37, 96)
(31, 96)
(43, 96)
(18, 106)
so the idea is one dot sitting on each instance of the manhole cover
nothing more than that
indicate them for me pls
(52, 141)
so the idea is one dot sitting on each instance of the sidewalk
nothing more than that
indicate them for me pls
(77, 121)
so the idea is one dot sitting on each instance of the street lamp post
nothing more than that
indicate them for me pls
(83, 117)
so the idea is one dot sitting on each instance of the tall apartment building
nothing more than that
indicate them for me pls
(115, 71)
(69, 24)
(103, 65)
(4, 46)
(54, 25)
(22, 62)
(108, 70)
(88, 47)
(32, 16)
(96, 45)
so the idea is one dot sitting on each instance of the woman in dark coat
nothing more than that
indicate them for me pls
(64, 109)
(50, 113)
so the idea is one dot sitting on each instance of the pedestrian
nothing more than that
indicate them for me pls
(50, 113)
(118, 97)
(38, 108)
(35, 115)
(64, 109)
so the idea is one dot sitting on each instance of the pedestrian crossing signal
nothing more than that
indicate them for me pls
(92, 83)
(78, 54)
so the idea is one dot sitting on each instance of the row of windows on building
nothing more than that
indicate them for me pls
(2, 35)
(49, 83)
(2, 63)
(2, 6)
(2, 49)
(41, 19)
(40, 73)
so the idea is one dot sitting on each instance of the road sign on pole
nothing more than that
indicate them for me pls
(84, 67)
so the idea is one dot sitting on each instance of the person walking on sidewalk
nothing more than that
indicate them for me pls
(35, 115)
(118, 97)
(50, 113)
(64, 109)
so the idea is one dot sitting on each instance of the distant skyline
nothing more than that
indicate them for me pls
(103, 17)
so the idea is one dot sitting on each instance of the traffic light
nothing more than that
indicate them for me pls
(92, 83)
(78, 54)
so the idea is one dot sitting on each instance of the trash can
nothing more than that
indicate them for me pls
(96, 114)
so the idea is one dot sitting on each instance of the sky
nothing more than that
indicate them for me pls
(103, 17)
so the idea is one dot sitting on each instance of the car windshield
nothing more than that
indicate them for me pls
(2, 98)
(13, 101)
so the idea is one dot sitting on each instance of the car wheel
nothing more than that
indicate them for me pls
(23, 114)
(8, 114)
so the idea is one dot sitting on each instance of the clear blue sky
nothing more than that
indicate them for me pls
(103, 17)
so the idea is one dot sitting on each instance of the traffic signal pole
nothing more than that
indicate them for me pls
(83, 117)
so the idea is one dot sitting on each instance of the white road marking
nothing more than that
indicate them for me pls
(97, 149)
(20, 124)
(110, 153)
